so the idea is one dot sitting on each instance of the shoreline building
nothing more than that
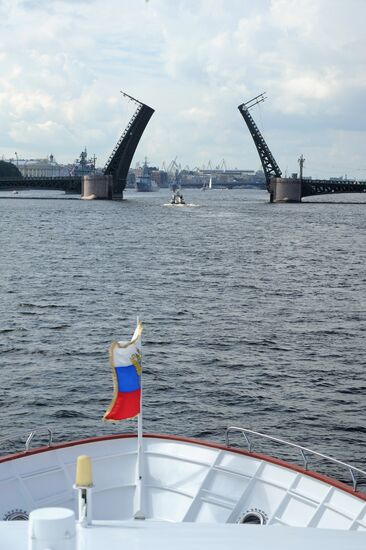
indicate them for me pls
(48, 167)
(40, 168)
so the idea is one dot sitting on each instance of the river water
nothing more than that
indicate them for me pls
(253, 313)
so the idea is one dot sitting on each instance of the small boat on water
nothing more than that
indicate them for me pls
(158, 491)
(206, 185)
(177, 198)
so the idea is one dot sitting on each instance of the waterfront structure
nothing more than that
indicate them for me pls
(117, 166)
(270, 166)
(290, 189)
(96, 186)
(294, 189)
(229, 179)
(233, 178)
(40, 168)
(48, 167)
(48, 174)
(120, 159)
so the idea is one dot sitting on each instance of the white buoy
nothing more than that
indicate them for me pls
(52, 528)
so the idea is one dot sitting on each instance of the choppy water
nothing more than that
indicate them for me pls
(254, 315)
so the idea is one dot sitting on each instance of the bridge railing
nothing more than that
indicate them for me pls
(37, 178)
(334, 182)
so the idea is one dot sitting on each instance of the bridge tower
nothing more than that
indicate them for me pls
(120, 159)
(270, 166)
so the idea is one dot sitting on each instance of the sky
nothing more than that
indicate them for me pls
(64, 63)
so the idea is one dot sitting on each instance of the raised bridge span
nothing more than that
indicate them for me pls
(290, 189)
(117, 165)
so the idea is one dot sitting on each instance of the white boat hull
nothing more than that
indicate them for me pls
(183, 481)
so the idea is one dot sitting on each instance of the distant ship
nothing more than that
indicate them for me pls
(145, 183)
(83, 166)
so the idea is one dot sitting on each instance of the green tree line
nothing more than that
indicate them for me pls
(9, 170)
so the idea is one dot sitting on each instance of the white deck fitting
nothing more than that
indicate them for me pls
(183, 482)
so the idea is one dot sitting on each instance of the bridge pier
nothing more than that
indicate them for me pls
(285, 190)
(97, 187)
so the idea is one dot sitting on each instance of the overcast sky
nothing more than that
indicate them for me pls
(64, 62)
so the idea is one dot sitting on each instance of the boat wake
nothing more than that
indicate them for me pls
(181, 205)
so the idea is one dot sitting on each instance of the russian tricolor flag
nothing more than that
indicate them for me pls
(125, 360)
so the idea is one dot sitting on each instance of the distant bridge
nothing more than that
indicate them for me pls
(69, 184)
(325, 187)
(117, 165)
(290, 189)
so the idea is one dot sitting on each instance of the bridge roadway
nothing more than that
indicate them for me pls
(328, 187)
(72, 184)
(69, 184)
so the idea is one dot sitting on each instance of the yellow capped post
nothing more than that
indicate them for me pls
(84, 484)
(84, 472)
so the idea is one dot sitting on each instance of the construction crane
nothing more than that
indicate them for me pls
(173, 166)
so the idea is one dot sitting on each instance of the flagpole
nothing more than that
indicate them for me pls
(139, 514)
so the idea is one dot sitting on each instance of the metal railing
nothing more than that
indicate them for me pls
(30, 436)
(304, 451)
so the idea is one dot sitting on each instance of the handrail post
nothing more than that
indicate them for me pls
(248, 441)
(227, 438)
(304, 459)
(33, 433)
(29, 439)
(354, 479)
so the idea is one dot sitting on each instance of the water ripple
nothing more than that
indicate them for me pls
(254, 315)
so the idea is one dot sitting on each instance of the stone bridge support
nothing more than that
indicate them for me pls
(97, 187)
(285, 190)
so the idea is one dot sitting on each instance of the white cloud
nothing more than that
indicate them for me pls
(63, 64)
